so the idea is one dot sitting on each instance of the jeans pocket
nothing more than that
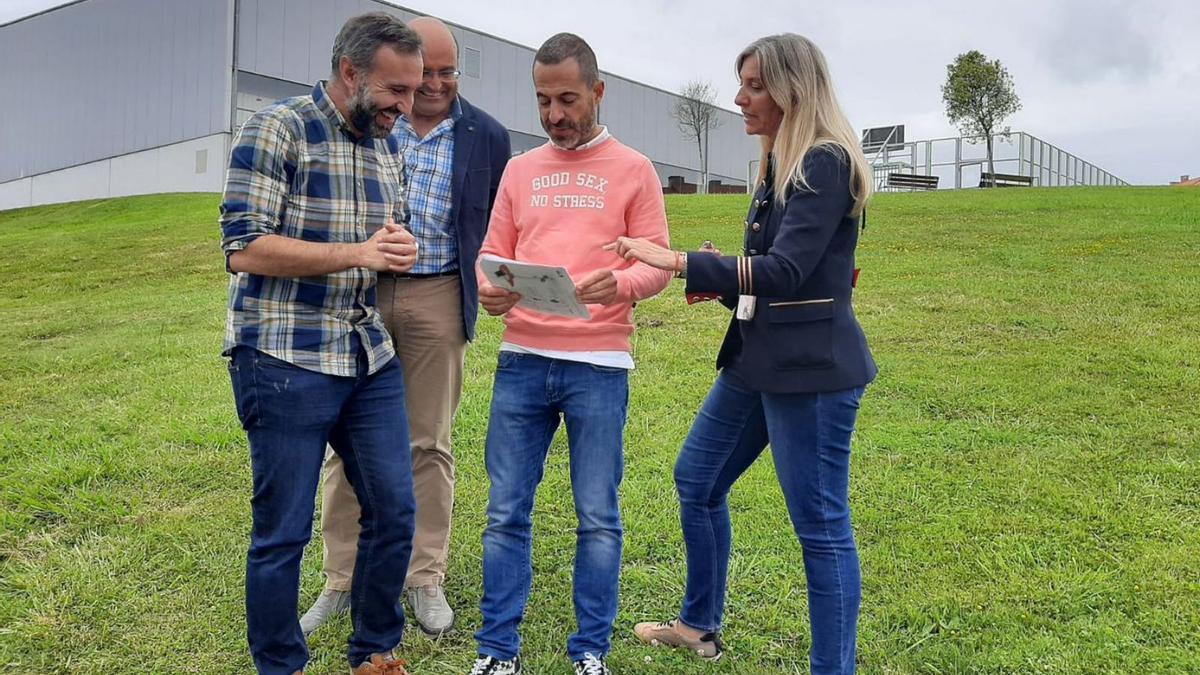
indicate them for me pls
(507, 359)
(607, 370)
(245, 399)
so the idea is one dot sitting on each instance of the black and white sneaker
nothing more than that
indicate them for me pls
(488, 665)
(591, 664)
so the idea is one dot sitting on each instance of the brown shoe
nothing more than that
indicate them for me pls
(381, 664)
(708, 646)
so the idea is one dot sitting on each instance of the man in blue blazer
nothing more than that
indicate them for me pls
(454, 154)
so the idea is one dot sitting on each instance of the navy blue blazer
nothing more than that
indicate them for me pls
(799, 265)
(481, 151)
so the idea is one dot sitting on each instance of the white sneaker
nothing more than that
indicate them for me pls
(431, 612)
(328, 605)
(488, 665)
(591, 664)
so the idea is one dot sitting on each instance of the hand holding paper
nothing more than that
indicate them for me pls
(598, 288)
(496, 300)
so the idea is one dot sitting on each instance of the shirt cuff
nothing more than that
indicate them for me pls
(231, 246)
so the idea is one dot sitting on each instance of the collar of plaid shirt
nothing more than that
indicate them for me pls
(320, 97)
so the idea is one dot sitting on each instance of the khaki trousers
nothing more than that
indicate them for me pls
(424, 317)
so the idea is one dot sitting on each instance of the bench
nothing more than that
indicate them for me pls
(1004, 180)
(912, 181)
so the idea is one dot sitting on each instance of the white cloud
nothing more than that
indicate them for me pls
(1087, 40)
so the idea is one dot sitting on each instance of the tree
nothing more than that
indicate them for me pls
(696, 114)
(979, 95)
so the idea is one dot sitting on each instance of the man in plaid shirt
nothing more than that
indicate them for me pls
(313, 209)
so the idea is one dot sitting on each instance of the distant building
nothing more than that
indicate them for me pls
(123, 97)
(1187, 181)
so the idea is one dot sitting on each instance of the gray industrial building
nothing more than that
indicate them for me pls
(122, 97)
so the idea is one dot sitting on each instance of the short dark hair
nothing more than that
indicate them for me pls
(565, 46)
(362, 36)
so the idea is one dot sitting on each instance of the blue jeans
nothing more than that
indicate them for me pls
(810, 443)
(289, 414)
(529, 395)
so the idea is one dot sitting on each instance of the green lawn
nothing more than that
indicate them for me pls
(1026, 483)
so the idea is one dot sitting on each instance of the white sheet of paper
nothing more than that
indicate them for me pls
(543, 288)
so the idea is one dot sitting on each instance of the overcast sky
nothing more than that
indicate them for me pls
(1114, 82)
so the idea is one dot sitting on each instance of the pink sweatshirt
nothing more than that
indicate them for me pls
(560, 207)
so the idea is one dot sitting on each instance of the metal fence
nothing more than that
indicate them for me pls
(959, 162)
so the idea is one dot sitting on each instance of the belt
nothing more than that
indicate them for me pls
(414, 275)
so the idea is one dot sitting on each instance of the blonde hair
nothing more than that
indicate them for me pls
(795, 75)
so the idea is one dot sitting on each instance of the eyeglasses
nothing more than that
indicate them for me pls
(447, 74)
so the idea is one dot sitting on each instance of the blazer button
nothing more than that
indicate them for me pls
(756, 227)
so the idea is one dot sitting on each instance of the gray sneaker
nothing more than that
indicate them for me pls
(328, 605)
(431, 612)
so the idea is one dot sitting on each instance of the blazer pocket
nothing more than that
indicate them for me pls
(800, 333)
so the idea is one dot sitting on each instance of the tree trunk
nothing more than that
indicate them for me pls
(991, 166)
(701, 188)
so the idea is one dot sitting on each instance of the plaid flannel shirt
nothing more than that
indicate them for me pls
(428, 172)
(297, 171)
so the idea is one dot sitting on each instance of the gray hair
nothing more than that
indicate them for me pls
(565, 46)
(362, 36)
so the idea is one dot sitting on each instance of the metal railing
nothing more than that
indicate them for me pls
(959, 162)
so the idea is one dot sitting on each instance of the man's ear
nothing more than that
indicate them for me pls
(598, 90)
(346, 72)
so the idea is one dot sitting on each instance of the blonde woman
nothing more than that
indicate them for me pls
(794, 362)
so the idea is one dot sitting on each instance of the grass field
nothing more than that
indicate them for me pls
(1026, 480)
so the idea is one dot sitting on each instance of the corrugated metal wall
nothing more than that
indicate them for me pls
(291, 40)
(104, 78)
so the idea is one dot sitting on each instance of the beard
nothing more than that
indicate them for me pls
(581, 128)
(363, 111)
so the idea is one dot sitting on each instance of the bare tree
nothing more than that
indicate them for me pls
(696, 114)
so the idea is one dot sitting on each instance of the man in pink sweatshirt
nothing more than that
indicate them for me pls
(560, 204)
